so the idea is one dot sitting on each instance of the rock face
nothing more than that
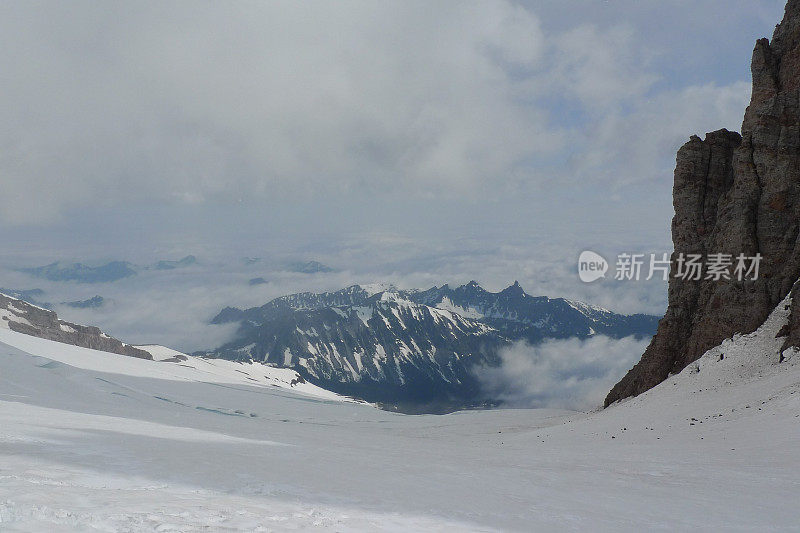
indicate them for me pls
(23, 317)
(735, 194)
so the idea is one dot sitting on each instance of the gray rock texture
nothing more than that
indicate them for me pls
(23, 317)
(735, 194)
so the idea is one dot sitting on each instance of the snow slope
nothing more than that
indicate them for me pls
(192, 369)
(91, 446)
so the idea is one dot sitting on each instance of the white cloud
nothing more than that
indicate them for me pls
(647, 136)
(119, 103)
(134, 102)
(572, 374)
(601, 68)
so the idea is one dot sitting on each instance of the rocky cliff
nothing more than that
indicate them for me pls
(23, 317)
(735, 194)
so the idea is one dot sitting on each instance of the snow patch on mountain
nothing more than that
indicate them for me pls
(11, 314)
(467, 312)
(376, 288)
(162, 353)
(587, 309)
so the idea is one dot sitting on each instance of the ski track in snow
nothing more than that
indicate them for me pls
(91, 441)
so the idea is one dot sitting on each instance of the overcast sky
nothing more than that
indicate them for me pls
(425, 142)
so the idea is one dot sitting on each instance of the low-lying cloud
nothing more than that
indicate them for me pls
(174, 307)
(569, 374)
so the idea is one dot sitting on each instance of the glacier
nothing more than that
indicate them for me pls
(93, 441)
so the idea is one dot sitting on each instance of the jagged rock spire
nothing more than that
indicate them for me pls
(513, 290)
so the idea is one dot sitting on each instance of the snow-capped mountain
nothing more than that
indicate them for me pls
(534, 318)
(389, 345)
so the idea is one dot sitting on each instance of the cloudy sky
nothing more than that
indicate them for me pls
(416, 142)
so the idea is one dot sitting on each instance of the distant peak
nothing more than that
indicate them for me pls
(375, 288)
(391, 296)
(514, 290)
(471, 288)
(309, 267)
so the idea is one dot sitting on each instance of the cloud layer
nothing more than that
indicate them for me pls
(160, 102)
(569, 374)
(122, 103)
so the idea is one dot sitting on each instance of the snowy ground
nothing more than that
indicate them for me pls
(99, 442)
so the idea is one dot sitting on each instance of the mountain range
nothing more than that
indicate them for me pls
(415, 349)
(57, 271)
(108, 272)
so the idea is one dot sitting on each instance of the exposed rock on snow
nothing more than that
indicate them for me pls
(23, 317)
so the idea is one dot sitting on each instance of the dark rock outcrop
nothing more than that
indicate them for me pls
(735, 195)
(23, 317)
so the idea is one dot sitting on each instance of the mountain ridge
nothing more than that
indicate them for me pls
(103, 273)
(23, 317)
(385, 344)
